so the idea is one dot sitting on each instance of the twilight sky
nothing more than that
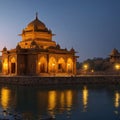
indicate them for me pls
(92, 27)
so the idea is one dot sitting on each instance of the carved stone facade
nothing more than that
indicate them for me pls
(38, 54)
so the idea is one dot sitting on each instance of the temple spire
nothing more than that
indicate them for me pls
(36, 15)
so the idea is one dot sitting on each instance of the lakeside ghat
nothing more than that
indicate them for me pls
(73, 80)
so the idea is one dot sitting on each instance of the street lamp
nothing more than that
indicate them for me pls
(85, 66)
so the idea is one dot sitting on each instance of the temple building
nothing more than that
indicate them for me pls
(38, 54)
(114, 56)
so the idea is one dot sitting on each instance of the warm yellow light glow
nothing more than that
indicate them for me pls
(5, 97)
(117, 99)
(39, 63)
(53, 67)
(85, 66)
(61, 65)
(5, 66)
(92, 71)
(68, 64)
(117, 66)
(13, 60)
(69, 99)
(62, 100)
(85, 97)
(69, 67)
(51, 100)
(53, 64)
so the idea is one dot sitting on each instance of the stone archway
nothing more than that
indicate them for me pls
(52, 65)
(69, 65)
(61, 65)
(42, 65)
(13, 65)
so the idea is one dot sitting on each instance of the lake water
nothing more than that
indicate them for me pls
(83, 102)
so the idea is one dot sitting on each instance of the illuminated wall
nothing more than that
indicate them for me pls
(5, 66)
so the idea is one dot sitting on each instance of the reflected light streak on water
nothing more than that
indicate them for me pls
(69, 98)
(62, 100)
(117, 99)
(5, 97)
(85, 98)
(51, 100)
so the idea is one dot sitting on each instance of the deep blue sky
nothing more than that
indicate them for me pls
(92, 27)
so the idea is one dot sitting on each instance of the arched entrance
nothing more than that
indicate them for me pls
(61, 65)
(13, 66)
(69, 65)
(52, 65)
(42, 65)
(42, 68)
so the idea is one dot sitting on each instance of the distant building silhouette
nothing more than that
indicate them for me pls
(114, 56)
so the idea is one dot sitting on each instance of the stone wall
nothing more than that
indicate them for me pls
(39, 81)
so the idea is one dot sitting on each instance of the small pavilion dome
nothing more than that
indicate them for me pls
(114, 52)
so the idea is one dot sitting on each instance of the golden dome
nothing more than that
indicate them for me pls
(36, 31)
(36, 25)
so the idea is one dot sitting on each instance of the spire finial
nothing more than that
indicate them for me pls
(36, 15)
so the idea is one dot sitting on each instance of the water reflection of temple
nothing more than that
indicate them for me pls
(52, 101)
(57, 100)
(31, 102)
(62, 100)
